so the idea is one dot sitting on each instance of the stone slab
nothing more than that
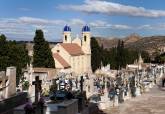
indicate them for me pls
(66, 107)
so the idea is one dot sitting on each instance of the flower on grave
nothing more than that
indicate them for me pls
(41, 101)
(25, 85)
(28, 107)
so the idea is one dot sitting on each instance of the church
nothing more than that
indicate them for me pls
(73, 54)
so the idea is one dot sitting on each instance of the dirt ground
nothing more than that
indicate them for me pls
(152, 102)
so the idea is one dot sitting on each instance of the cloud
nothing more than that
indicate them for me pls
(23, 28)
(104, 24)
(77, 22)
(24, 9)
(98, 23)
(159, 26)
(39, 21)
(110, 8)
(123, 27)
(146, 26)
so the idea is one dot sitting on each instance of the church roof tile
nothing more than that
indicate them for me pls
(72, 48)
(61, 60)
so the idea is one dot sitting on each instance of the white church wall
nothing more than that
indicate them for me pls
(77, 41)
(58, 65)
(63, 53)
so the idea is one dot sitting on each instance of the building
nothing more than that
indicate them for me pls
(138, 64)
(73, 55)
(46, 75)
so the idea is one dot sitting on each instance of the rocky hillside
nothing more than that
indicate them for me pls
(134, 41)
(149, 44)
(107, 42)
(132, 38)
(112, 42)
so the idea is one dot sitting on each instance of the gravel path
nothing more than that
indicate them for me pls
(152, 102)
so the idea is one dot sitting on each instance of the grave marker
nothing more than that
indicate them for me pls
(37, 84)
(81, 84)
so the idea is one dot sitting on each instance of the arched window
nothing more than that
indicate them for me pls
(65, 37)
(85, 38)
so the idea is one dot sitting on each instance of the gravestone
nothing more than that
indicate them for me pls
(163, 82)
(76, 82)
(138, 93)
(90, 87)
(11, 86)
(81, 84)
(116, 101)
(37, 84)
(146, 86)
(105, 100)
(137, 89)
(82, 96)
(127, 92)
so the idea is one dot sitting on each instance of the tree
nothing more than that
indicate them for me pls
(13, 54)
(96, 54)
(146, 57)
(118, 57)
(160, 58)
(42, 53)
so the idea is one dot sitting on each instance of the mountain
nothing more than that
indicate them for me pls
(107, 42)
(150, 44)
(131, 38)
(112, 42)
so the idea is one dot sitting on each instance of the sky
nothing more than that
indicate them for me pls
(107, 18)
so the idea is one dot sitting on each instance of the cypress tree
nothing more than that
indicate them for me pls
(118, 56)
(42, 56)
(96, 54)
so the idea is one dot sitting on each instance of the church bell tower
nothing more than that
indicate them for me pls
(67, 34)
(86, 39)
(86, 47)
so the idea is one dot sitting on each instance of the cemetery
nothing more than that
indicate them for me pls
(72, 89)
(76, 94)
(81, 94)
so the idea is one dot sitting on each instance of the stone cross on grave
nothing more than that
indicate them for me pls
(76, 81)
(38, 88)
(81, 84)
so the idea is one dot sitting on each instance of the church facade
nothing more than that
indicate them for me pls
(73, 55)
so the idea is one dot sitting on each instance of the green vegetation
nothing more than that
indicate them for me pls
(13, 54)
(53, 87)
(160, 58)
(25, 85)
(42, 53)
(118, 57)
(96, 56)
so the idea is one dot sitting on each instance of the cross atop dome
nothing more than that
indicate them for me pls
(67, 28)
(86, 28)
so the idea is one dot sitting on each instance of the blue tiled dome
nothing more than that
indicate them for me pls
(85, 29)
(67, 28)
